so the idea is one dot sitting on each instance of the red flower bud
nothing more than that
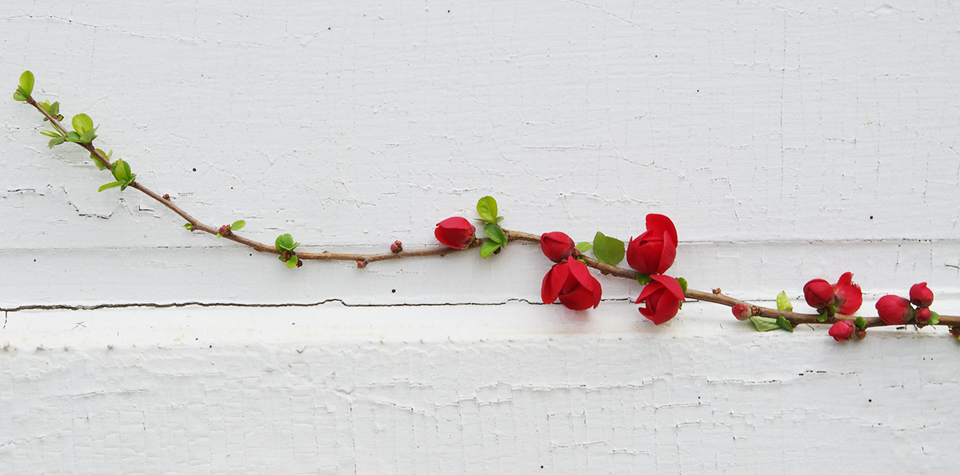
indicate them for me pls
(661, 298)
(920, 295)
(894, 310)
(923, 315)
(843, 330)
(396, 247)
(224, 230)
(455, 232)
(571, 281)
(818, 293)
(654, 251)
(556, 246)
(742, 311)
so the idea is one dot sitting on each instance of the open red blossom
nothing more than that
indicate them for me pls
(661, 298)
(455, 232)
(850, 296)
(844, 296)
(843, 330)
(654, 251)
(556, 246)
(894, 310)
(920, 295)
(571, 282)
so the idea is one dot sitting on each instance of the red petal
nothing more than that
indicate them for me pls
(663, 226)
(671, 285)
(669, 253)
(553, 282)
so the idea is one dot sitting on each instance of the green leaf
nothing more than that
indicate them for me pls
(292, 262)
(934, 318)
(188, 227)
(82, 123)
(783, 302)
(285, 243)
(238, 225)
(683, 284)
(88, 136)
(110, 185)
(861, 323)
(499, 218)
(784, 324)
(488, 247)
(26, 82)
(765, 324)
(56, 141)
(495, 233)
(487, 209)
(50, 133)
(584, 246)
(644, 279)
(219, 235)
(17, 96)
(823, 316)
(608, 249)
(121, 171)
(123, 186)
(54, 109)
(73, 137)
(97, 161)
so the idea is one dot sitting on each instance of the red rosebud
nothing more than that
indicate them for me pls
(556, 246)
(654, 251)
(661, 298)
(742, 311)
(572, 283)
(818, 293)
(920, 295)
(849, 295)
(843, 330)
(894, 310)
(923, 315)
(455, 232)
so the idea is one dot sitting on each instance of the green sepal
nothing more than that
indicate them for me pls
(73, 137)
(683, 284)
(607, 249)
(110, 185)
(644, 279)
(784, 324)
(765, 324)
(823, 316)
(861, 323)
(50, 133)
(285, 242)
(488, 247)
(82, 123)
(584, 246)
(783, 302)
(56, 141)
(188, 227)
(487, 209)
(292, 262)
(239, 224)
(495, 233)
(934, 318)
(26, 83)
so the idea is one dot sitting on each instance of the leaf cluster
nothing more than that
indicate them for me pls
(487, 209)
(121, 172)
(285, 246)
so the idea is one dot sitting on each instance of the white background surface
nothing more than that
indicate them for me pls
(788, 141)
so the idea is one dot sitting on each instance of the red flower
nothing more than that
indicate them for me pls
(843, 330)
(654, 251)
(556, 246)
(455, 232)
(924, 315)
(845, 296)
(662, 297)
(742, 311)
(572, 283)
(894, 310)
(920, 295)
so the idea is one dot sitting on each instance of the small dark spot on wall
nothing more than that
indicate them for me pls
(871, 217)
(393, 291)
(194, 169)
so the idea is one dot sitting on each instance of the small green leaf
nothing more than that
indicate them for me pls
(292, 262)
(188, 227)
(584, 246)
(238, 225)
(934, 318)
(50, 133)
(123, 186)
(608, 249)
(784, 324)
(765, 324)
(495, 233)
(73, 137)
(683, 284)
(54, 109)
(487, 209)
(488, 247)
(88, 136)
(82, 123)
(823, 316)
(97, 161)
(121, 170)
(499, 218)
(26, 82)
(56, 141)
(219, 235)
(861, 323)
(644, 279)
(18, 97)
(285, 243)
(110, 185)
(783, 302)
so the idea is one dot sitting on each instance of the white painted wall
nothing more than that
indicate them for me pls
(787, 140)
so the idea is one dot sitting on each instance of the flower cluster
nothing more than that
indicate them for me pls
(894, 310)
(651, 253)
(844, 297)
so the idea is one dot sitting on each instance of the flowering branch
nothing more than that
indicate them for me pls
(649, 256)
